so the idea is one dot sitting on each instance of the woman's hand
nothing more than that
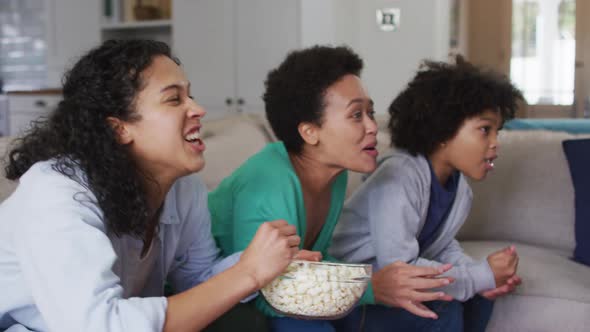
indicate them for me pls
(503, 264)
(307, 255)
(268, 254)
(270, 251)
(406, 286)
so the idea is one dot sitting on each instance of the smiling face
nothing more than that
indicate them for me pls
(472, 150)
(347, 137)
(165, 140)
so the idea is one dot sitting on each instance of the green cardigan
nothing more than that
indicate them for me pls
(266, 188)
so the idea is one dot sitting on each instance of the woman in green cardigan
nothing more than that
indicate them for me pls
(324, 119)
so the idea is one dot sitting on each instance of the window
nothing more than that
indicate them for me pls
(22, 44)
(543, 50)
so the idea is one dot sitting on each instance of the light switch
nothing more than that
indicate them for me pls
(388, 19)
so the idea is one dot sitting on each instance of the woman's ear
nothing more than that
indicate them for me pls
(119, 127)
(309, 133)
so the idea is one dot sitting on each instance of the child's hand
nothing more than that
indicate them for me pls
(507, 288)
(307, 255)
(503, 263)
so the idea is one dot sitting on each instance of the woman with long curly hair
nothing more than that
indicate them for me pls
(107, 209)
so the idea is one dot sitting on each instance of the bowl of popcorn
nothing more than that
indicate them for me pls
(317, 290)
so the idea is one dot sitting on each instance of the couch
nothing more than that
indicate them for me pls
(528, 201)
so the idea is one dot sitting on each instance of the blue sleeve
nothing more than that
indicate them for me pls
(66, 260)
(201, 260)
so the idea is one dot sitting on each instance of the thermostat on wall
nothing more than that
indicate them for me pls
(388, 19)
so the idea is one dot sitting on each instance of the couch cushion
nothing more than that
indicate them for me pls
(220, 125)
(522, 313)
(229, 140)
(544, 272)
(529, 197)
(229, 144)
(578, 157)
(553, 296)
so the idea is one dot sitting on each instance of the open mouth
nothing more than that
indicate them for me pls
(193, 137)
(371, 150)
(490, 162)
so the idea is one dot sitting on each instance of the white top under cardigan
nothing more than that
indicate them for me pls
(381, 221)
(61, 271)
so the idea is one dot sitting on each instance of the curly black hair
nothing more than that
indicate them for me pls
(103, 83)
(436, 102)
(295, 89)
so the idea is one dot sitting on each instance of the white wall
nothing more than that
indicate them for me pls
(391, 58)
(317, 22)
(334, 22)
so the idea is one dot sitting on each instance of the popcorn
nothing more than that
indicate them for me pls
(317, 290)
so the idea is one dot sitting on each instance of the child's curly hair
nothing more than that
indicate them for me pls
(436, 102)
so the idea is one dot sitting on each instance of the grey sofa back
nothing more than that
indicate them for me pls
(529, 197)
(229, 140)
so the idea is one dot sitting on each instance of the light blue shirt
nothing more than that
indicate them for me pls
(61, 271)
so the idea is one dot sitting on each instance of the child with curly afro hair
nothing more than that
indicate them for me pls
(444, 126)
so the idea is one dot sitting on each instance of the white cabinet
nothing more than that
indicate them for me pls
(227, 48)
(23, 109)
(73, 27)
(203, 39)
(120, 20)
(152, 29)
(265, 30)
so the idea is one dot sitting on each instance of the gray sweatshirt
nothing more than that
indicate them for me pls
(381, 221)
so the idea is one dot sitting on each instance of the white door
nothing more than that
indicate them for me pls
(73, 29)
(227, 48)
(266, 30)
(203, 39)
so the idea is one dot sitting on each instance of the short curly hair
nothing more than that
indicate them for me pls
(103, 83)
(295, 89)
(436, 102)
